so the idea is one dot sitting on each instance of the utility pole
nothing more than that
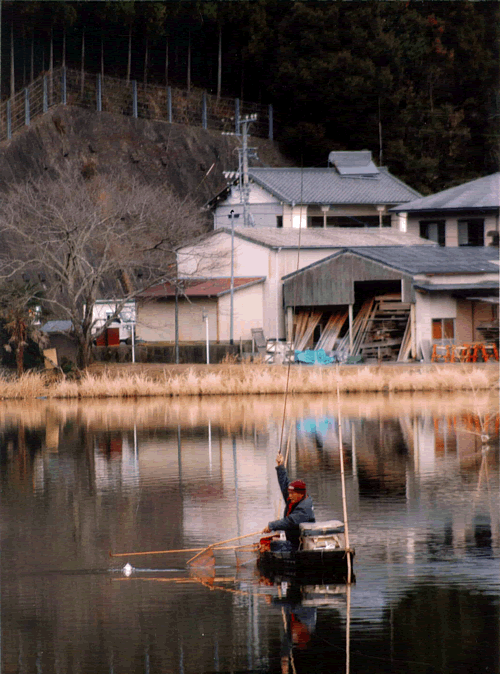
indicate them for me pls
(244, 154)
(232, 215)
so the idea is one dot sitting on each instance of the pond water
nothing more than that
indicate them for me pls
(79, 480)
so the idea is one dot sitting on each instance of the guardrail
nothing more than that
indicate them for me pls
(109, 94)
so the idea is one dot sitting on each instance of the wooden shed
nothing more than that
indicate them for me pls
(390, 302)
(358, 305)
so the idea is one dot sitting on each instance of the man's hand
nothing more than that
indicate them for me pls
(280, 459)
(267, 530)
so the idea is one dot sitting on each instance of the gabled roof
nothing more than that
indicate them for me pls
(414, 260)
(325, 186)
(331, 237)
(201, 287)
(481, 194)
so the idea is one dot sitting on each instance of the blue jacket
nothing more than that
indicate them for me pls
(303, 511)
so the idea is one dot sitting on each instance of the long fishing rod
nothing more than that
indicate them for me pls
(294, 307)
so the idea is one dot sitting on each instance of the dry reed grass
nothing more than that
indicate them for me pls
(252, 380)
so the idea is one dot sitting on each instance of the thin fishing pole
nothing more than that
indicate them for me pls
(294, 304)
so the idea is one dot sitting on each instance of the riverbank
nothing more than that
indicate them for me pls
(147, 380)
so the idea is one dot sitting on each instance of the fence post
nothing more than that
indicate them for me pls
(169, 103)
(204, 110)
(26, 107)
(9, 121)
(45, 94)
(271, 123)
(99, 94)
(134, 98)
(237, 115)
(63, 85)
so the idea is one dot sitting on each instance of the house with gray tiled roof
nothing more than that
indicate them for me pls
(466, 215)
(350, 192)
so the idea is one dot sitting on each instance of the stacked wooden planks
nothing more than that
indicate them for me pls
(358, 328)
(404, 351)
(386, 329)
(305, 324)
(331, 331)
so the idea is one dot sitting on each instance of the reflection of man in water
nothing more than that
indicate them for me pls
(299, 622)
(299, 508)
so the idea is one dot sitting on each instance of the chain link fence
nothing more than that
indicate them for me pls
(109, 94)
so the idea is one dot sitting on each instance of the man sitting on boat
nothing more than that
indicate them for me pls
(299, 508)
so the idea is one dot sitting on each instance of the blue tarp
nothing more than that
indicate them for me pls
(317, 357)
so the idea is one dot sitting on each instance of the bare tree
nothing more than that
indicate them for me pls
(20, 312)
(91, 237)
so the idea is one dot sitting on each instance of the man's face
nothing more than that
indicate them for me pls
(295, 496)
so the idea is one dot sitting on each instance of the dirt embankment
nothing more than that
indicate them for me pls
(189, 159)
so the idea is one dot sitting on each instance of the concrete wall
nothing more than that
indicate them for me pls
(248, 313)
(156, 320)
(427, 307)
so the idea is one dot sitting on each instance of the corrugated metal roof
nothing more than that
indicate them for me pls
(436, 260)
(483, 193)
(324, 186)
(213, 287)
(413, 260)
(331, 237)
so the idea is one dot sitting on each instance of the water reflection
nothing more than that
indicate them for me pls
(80, 480)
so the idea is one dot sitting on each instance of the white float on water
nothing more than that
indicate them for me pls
(127, 570)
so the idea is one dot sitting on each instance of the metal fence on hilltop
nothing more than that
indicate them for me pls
(195, 107)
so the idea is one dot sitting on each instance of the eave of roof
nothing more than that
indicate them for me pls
(482, 194)
(212, 287)
(439, 287)
(319, 238)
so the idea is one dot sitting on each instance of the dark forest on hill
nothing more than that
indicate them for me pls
(414, 82)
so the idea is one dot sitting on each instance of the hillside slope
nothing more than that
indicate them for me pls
(190, 159)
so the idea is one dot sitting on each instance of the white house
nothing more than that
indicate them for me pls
(350, 192)
(269, 255)
(466, 215)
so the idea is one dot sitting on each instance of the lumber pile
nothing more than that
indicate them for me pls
(331, 331)
(381, 329)
(358, 329)
(387, 333)
(306, 322)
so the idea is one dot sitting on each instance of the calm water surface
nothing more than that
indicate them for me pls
(81, 480)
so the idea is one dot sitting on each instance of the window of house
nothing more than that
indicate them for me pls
(279, 221)
(349, 221)
(471, 232)
(433, 230)
(443, 329)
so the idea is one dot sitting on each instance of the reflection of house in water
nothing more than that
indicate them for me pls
(382, 458)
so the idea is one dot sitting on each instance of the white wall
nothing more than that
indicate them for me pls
(427, 307)
(248, 312)
(263, 209)
(156, 320)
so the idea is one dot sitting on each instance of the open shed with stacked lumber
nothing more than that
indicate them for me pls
(353, 306)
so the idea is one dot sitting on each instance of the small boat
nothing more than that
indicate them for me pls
(322, 553)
